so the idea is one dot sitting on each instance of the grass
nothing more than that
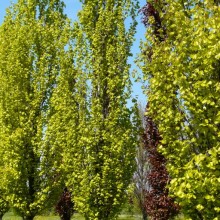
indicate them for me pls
(129, 217)
(46, 218)
(11, 216)
(121, 217)
(77, 217)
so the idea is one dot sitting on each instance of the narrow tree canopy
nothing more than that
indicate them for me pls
(33, 37)
(183, 91)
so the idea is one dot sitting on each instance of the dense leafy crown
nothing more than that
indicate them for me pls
(183, 76)
(92, 126)
(33, 37)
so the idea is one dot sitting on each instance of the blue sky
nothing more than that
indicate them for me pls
(72, 7)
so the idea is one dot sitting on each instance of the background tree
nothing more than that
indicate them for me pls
(33, 37)
(103, 148)
(65, 206)
(183, 92)
(140, 180)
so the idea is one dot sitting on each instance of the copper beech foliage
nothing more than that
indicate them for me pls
(159, 206)
(148, 11)
(65, 206)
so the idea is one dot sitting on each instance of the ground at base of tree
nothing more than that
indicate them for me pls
(121, 217)
(9, 216)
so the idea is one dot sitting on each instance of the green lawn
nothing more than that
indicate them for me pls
(79, 217)
(121, 217)
(129, 217)
(11, 216)
(46, 218)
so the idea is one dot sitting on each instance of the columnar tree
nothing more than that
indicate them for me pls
(33, 37)
(158, 204)
(102, 155)
(64, 207)
(183, 91)
(67, 116)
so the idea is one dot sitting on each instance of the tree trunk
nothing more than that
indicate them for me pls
(144, 214)
(66, 216)
(31, 217)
